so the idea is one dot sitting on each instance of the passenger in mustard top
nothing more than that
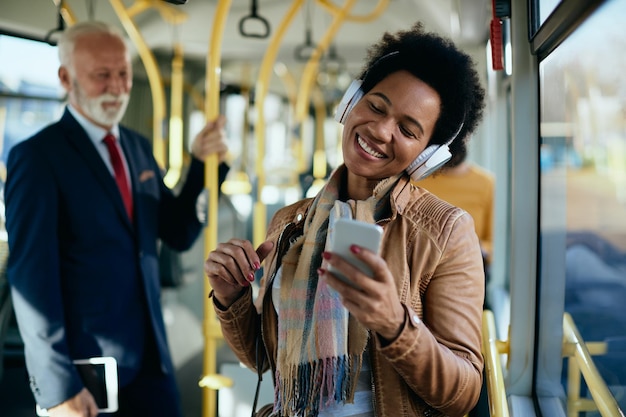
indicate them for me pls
(471, 188)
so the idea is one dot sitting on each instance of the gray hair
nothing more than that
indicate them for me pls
(68, 38)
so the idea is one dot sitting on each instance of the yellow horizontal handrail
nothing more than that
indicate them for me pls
(580, 359)
(378, 10)
(492, 349)
(168, 12)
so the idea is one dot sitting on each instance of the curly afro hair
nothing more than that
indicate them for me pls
(439, 63)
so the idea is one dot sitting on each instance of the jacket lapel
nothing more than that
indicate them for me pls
(78, 139)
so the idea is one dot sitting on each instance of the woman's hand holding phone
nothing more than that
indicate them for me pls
(353, 256)
(348, 232)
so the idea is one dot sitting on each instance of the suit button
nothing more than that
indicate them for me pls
(33, 385)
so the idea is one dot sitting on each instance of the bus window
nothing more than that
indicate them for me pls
(545, 8)
(30, 92)
(30, 96)
(583, 185)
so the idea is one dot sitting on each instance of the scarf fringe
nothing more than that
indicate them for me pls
(311, 387)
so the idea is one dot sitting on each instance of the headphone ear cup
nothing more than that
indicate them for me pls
(427, 162)
(352, 95)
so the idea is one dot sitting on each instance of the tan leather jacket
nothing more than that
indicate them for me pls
(434, 367)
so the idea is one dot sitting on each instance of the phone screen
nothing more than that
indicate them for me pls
(93, 377)
(348, 232)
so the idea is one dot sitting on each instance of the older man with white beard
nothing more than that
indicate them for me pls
(85, 206)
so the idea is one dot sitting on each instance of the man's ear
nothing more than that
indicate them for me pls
(64, 77)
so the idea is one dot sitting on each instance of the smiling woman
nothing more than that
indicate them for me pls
(412, 325)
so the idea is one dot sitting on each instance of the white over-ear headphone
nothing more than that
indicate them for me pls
(352, 95)
(427, 162)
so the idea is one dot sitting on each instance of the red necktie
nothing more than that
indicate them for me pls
(120, 173)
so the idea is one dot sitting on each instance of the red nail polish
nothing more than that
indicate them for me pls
(326, 255)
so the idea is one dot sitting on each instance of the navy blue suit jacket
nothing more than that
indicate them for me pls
(85, 281)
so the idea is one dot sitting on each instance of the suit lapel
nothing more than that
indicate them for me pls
(78, 139)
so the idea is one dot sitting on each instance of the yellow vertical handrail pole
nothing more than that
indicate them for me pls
(310, 70)
(261, 89)
(175, 156)
(492, 348)
(212, 101)
(245, 185)
(341, 15)
(149, 62)
(573, 387)
(289, 82)
(66, 12)
(319, 150)
(319, 155)
(154, 79)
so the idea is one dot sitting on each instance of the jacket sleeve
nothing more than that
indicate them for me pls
(241, 321)
(34, 274)
(438, 355)
(240, 327)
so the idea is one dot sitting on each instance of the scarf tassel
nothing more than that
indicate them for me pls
(313, 386)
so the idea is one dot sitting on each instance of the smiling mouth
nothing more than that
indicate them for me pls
(367, 148)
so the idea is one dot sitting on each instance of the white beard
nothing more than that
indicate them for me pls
(95, 110)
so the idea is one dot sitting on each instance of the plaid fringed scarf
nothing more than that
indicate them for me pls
(320, 347)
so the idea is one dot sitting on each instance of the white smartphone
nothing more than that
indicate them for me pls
(348, 232)
(100, 377)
